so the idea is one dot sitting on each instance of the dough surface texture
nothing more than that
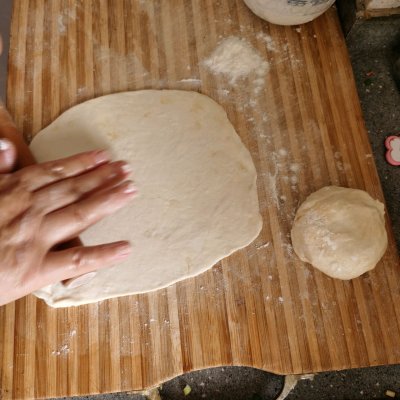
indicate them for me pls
(340, 231)
(197, 196)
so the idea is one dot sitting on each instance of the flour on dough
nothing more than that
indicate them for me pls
(197, 195)
(340, 231)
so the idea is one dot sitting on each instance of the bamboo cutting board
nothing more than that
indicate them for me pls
(261, 306)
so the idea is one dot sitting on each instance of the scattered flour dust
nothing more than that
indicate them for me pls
(64, 348)
(284, 170)
(61, 26)
(273, 189)
(236, 58)
(61, 351)
(282, 152)
(191, 80)
(267, 39)
(64, 19)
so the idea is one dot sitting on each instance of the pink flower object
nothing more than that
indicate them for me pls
(392, 144)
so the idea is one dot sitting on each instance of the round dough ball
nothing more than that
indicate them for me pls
(340, 231)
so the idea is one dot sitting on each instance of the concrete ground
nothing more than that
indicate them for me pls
(372, 45)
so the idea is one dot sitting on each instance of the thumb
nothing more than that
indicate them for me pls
(8, 156)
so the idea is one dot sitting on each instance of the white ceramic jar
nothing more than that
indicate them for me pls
(288, 12)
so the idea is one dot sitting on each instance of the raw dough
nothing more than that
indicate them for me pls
(197, 196)
(340, 231)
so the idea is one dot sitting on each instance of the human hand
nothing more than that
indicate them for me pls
(46, 204)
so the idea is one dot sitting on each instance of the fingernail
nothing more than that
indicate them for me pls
(129, 187)
(126, 168)
(124, 250)
(4, 144)
(101, 157)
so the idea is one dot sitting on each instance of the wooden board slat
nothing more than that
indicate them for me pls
(261, 306)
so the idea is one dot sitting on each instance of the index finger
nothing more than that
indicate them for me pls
(39, 175)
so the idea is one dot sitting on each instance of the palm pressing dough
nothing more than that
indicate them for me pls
(197, 196)
(340, 231)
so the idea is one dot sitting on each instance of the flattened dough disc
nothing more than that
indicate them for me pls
(197, 197)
